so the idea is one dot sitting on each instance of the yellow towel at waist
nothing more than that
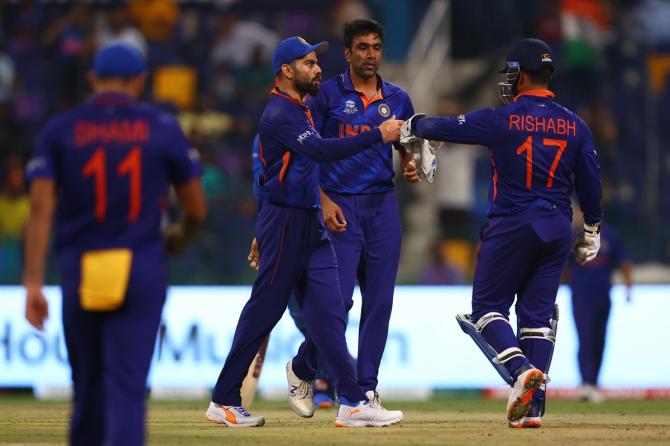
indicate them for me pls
(104, 278)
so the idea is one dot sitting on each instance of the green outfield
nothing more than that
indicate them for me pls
(24, 421)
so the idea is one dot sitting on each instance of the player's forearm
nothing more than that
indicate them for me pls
(37, 242)
(627, 273)
(190, 227)
(442, 128)
(38, 233)
(193, 208)
(589, 192)
(334, 149)
(323, 196)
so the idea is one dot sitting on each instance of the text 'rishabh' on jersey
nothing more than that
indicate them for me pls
(537, 147)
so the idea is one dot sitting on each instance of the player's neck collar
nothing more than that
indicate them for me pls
(538, 93)
(111, 98)
(276, 91)
(349, 85)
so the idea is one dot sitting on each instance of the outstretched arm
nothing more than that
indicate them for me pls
(301, 137)
(480, 127)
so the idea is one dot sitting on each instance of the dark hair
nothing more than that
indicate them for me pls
(359, 27)
(280, 73)
(541, 76)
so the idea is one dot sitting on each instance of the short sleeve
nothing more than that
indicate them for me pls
(182, 158)
(43, 163)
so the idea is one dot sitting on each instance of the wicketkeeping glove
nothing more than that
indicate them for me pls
(588, 243)
(426, 161)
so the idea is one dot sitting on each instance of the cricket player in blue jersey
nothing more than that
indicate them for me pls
(359, 203)
(106, 165)
(536, 147)
(323, 391)
(591, 284)
(296, 252)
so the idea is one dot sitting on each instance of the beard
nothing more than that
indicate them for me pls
(365, 72)
(307, 86)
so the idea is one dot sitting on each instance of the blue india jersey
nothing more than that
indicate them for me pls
(538, 150)
(340, 111)
(112, 160)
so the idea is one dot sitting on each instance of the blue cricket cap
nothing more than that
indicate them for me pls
(294, 48)
(119, 60)
(530, 54)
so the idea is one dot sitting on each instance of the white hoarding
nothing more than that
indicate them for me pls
(425, 349)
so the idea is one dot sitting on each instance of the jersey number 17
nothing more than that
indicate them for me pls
(527, 148)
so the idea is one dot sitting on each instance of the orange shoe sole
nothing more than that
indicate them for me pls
(526, 425)
(531, 384)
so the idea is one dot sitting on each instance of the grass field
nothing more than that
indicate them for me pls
(24, 420)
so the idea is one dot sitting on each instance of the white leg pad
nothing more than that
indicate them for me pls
(487, 319)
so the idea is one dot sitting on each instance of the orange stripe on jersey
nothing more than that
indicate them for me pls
(309, 117)
(278, 92)
(260, 151)
(286, 159)
(540, 92)
(367, 102)
(495, 176)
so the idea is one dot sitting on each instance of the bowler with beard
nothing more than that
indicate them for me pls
(296, 251)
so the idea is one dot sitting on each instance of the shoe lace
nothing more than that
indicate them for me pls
(242, 410)
(304, 389)
(376, 401)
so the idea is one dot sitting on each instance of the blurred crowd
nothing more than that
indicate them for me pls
(210, 65)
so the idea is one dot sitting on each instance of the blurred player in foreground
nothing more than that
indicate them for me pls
(106, 165)
(591, 284)
(296, 252)
(536, 146)
(359, 203)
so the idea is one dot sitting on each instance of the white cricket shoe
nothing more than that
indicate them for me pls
(375, 402)
(364, 414)
(232, 416)
(590, 393)
(526, 422)
(300, 393)
(521, 393)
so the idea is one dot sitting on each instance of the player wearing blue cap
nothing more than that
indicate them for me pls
(296, 252)
(537, 147)
(107, 165)
(358, 197)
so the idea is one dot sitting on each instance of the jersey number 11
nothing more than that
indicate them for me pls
(131, 165)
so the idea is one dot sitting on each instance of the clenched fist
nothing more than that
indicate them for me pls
(391, 129)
